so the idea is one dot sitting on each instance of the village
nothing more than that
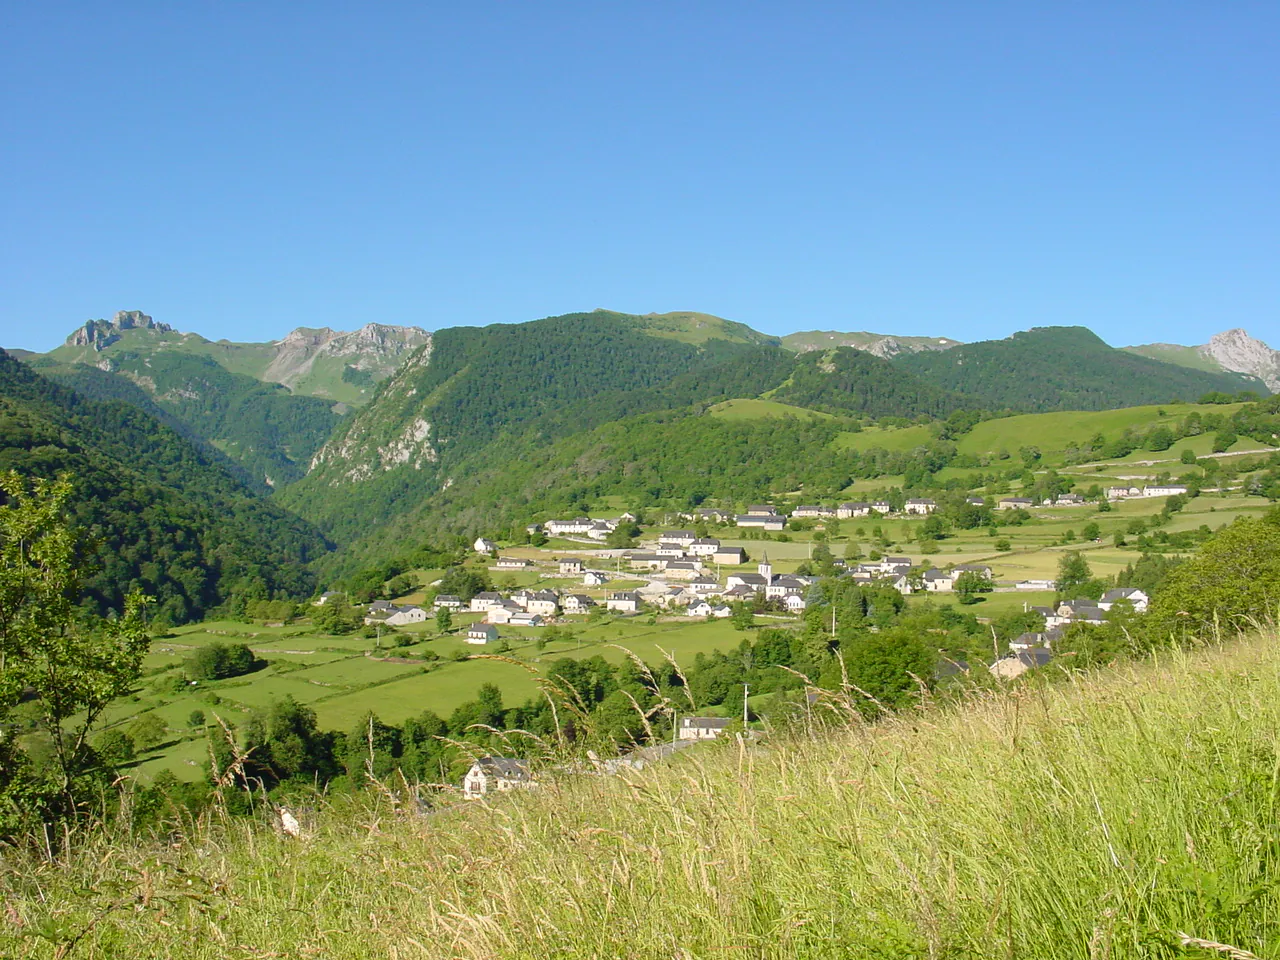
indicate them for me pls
(678, 573)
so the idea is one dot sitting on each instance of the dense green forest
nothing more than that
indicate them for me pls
(263, 427)
(1064, 368)
(159, 514)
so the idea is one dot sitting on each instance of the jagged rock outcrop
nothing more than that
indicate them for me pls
(1238, 352)
(398, 435)
(378, 349)
(102, 333)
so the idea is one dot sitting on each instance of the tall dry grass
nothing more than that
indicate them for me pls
(1130, 813)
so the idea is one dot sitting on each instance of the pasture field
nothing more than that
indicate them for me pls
(343, 678)
(764, 410)
(904, 438)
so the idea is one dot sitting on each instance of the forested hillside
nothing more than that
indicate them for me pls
(167, 517)
(271, 433)
(1064, 368)
(493, 402)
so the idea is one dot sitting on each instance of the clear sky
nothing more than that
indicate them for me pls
(961, 169)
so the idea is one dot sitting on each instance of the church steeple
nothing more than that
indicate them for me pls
(765, 568)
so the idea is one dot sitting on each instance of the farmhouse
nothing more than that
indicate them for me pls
(626, 601)
(683, 569)
(481, 633)
(646, 561)
(678, 538)
(699, 608)
(704, 585)
(483, 545)
(704, 548)
(490, 774)
(594, 578)
(571, 566)
(762, 510)
(544, 602)
(483, 601)
(514, 563)
(920, 506)
(882, 507)
(1131, 595)
(811, 512)
(847, 510)
(403, 615)
(447, 601)
(1166, 490)
(702, 728)
(1121, 493)
(937, 581)
(577, 603)
(579, 526)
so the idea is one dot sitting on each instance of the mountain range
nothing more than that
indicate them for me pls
(391, 435)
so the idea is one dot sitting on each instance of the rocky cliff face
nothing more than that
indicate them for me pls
(397, 433)
(102, 333)
(1238, 352)
(376, 348)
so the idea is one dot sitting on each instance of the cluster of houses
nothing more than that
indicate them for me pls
(1153, 490)
(1031, 650)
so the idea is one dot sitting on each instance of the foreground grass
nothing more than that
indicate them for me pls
(1101, 817)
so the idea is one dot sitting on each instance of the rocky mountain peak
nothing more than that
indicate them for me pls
(100, 334)
(1238, 352)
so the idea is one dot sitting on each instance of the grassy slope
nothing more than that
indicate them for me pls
(1101, 818)
(745, 409)
(1175, 353)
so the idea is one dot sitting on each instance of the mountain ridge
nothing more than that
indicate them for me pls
(1233, 351)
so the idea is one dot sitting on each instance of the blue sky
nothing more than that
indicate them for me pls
(239, 169)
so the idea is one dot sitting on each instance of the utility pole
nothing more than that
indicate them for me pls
(745, 688)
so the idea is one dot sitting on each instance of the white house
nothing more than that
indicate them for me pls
(1122, 493)
(544, 602)
(1132, 595)
(484, 601)
(484, 545)
(481, 633)
(722, 612)
(447, 600)
(601, 529)
(811, 512)
(919, 506)
(627, 601)
(495, 774)
(1166, 490)
(705, 547)
(594, 578)
(579, 526)
(678, 538)
(514, 563)
(699, 608)
(937, 581)
(577, 603)
(847, 510)
(882, 506)
(702, 728)
(795, 603)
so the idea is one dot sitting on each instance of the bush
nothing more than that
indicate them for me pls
(217, 661)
